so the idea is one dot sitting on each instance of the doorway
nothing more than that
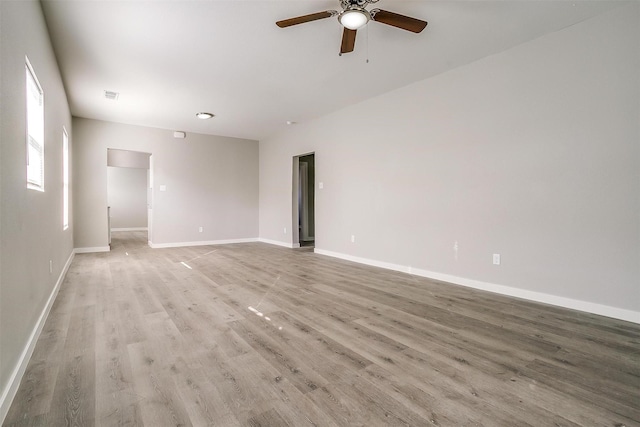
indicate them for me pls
(304, 200)
(129, 179)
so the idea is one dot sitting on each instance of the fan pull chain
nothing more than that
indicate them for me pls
(367, 44)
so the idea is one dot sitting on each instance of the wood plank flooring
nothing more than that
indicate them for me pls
(257, 335)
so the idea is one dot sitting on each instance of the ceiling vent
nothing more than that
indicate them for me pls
(111, 95)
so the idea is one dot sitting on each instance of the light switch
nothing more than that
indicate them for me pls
(163, 188)
(321, 185)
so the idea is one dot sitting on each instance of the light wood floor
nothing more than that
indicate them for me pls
(257, 335)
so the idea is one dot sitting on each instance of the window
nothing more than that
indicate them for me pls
(35, 131)
(65, 179)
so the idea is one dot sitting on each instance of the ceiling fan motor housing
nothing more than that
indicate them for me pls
(346, 4)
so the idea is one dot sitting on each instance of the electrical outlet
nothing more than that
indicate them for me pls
(285, 230)
(496, 259)
(353, 238)
(50, 266)
(200, 229)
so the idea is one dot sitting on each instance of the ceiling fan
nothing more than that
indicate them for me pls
(353, 16)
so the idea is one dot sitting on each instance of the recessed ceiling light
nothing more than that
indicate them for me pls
(204, 116)
(290, 122)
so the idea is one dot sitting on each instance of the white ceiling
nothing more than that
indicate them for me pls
(171, 59)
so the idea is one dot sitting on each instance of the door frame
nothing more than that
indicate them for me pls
(296, 201)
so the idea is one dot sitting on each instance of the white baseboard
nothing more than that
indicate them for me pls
(279, 243)
(131, 229)
(589, 307)
(200, 243)
(8, 394)
(92, 250)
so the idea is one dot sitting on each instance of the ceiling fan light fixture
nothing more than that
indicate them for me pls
(204, 116)
(354, 19)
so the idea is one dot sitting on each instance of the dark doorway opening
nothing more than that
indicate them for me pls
(306, 199)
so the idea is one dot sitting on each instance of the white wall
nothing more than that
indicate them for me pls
(532, 153)
(127, 197)
(127, 159)
(211, 181)
(31, 228)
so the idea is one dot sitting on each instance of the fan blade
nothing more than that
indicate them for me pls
(348, 41)
(399, 21)
(305, 18)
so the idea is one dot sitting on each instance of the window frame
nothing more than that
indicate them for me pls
(65, 179)
(34, 136)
